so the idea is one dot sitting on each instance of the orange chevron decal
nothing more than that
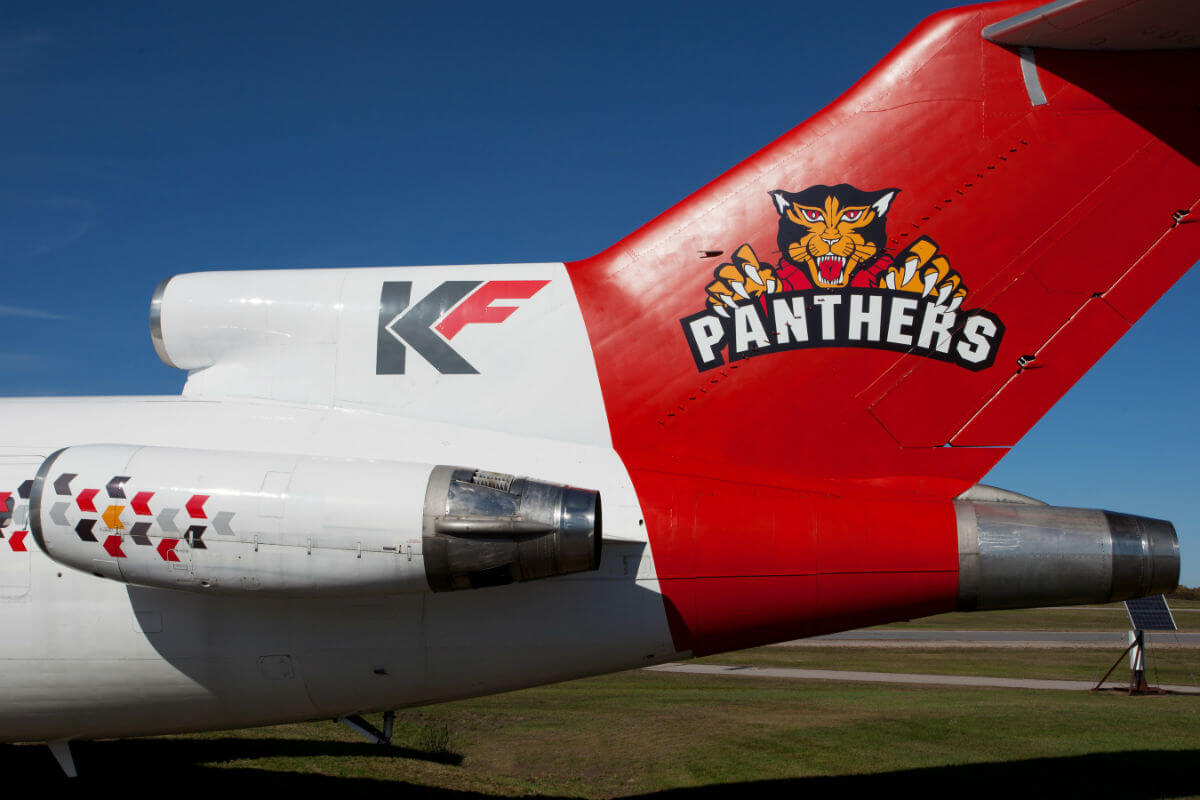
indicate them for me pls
(112, 518)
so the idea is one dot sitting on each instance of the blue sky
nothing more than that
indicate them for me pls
(142, 140)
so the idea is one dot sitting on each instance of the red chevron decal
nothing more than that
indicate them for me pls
(17, 541)
(141, 503)
(166, 549)
(195, 506)
(112, 546)
(84, 501)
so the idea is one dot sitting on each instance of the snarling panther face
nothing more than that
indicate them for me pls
(832, 231)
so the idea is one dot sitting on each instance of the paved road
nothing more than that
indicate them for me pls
(1043, 638)
(1114, 609)
(895, 677)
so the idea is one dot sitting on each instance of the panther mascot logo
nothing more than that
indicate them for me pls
(832, 237)
(835, 286)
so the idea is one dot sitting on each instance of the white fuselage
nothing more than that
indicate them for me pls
(86, 656)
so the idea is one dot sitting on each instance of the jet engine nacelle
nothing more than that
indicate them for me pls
(279, 525)
(1023, 553)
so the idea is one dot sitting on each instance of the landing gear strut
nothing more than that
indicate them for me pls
(62, 754)
(368, 731)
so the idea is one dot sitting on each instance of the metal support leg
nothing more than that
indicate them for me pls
(62, 754)
(1137, 663)
(368, 731)
(1100, 683)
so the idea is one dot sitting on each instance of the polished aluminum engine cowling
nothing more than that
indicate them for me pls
(1025, 554)
(488, 529)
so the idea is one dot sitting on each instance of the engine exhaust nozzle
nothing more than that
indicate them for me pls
(1023, 555)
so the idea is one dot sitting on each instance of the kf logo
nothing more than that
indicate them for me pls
(429, 325)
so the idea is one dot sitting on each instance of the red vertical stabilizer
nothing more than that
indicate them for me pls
(905, 284)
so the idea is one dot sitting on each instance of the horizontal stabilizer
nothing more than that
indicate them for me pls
(1102, 25)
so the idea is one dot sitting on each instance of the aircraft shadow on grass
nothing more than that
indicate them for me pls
(186, 767)
(1130, 774)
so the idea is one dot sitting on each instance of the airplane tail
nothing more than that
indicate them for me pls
(879, 304)
(1019, 209)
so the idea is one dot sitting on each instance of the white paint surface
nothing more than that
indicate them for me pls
(285, 364)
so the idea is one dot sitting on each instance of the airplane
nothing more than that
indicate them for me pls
(761, 416)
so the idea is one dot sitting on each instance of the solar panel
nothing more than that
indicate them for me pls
(1150, 614)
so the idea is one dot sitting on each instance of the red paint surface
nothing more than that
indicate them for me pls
(195, 506)
(17, 541)
(166, 549)
(808, 491)
(112, 546)
(478, 308)
(84, 501)
(141, 503)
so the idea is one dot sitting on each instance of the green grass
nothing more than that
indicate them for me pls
(1090, 618)
(645, 733)
(694, 736)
